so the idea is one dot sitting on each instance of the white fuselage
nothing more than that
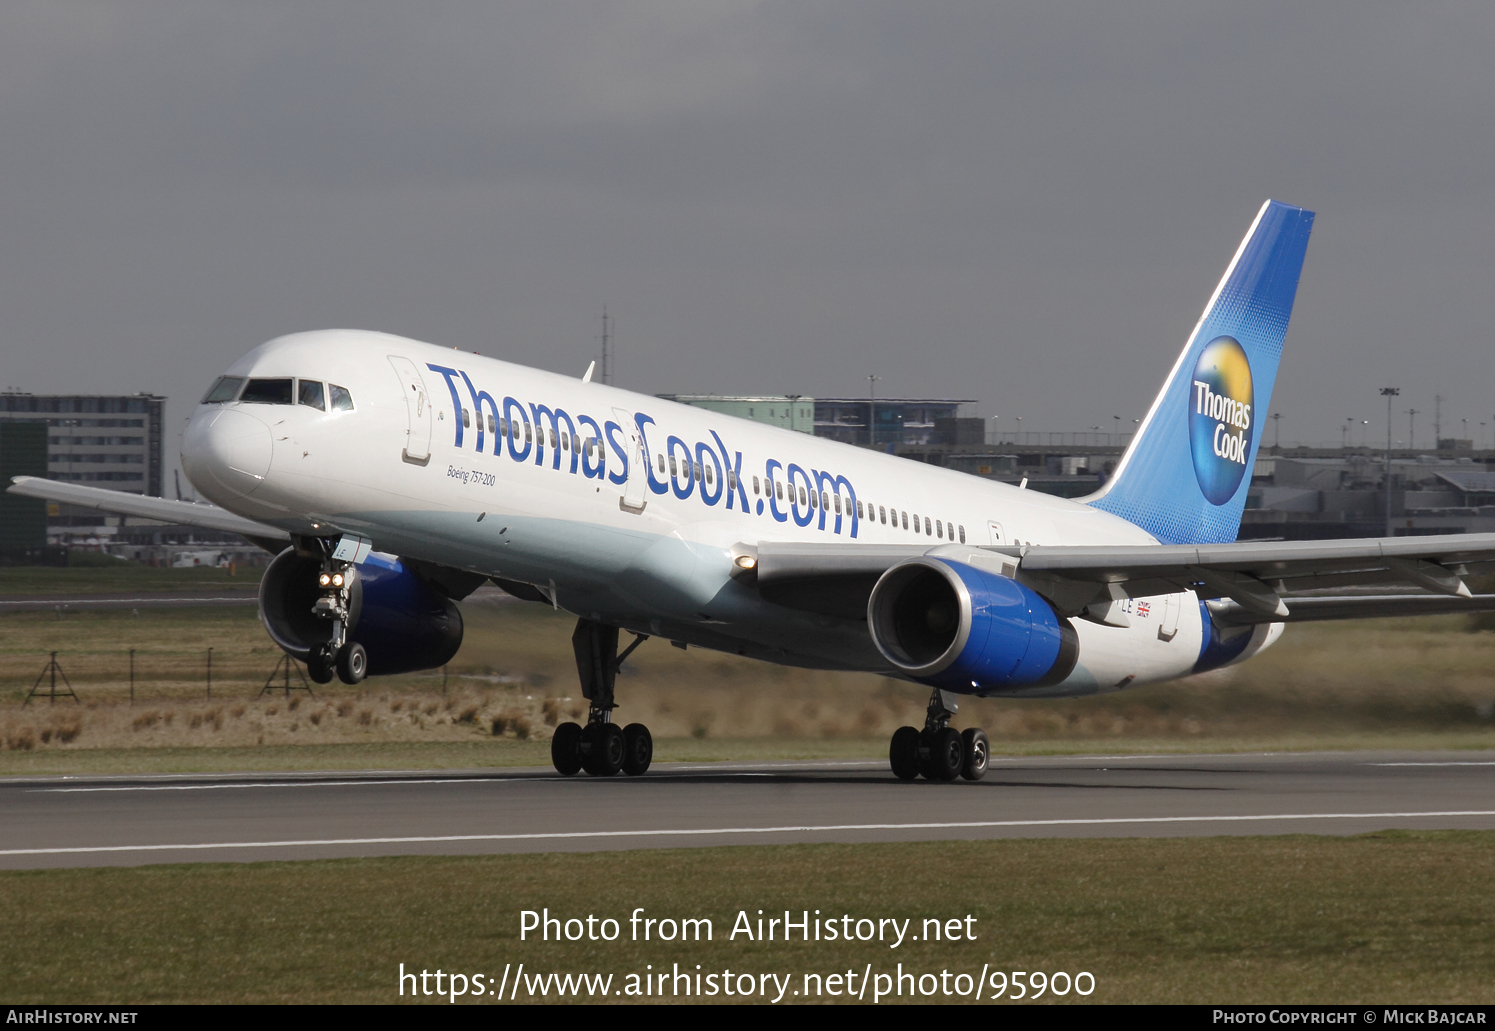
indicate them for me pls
(415, 467)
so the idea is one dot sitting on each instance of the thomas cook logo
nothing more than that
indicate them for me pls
(1220, 418)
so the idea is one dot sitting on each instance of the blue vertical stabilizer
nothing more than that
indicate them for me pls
(1185, 477)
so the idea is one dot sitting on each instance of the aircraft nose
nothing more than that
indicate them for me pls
(226, 451)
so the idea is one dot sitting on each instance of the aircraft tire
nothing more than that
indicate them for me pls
(604, 757)
(317, 669)
(975, 753)
(946, 753)
(638, 749)
(565, 749)
(352, 663)
(903, 753)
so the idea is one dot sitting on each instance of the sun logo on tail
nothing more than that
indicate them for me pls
(1221, 418)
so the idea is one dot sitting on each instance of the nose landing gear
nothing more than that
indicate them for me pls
(601, 748)
(939, 751)
(335, 602)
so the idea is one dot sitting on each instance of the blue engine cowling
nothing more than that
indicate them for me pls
(403, 622)
(961, 628)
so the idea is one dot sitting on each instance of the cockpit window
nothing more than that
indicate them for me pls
(342, 401)
(310, 394)
(268, 392)
(223, 389)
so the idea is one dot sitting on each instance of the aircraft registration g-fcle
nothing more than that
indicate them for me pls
(393, 477)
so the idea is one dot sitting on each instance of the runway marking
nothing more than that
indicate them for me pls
(706, 831)
(1434, 764)
(170, 598)
(746, 771)
(290, 784)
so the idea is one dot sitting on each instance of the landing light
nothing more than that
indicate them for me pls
(337, 579)
(324, 580)
(746, 562)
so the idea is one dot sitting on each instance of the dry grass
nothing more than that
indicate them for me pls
(1332, 685)
(1383, 918)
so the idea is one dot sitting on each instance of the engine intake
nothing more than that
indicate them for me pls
(403, 622)
(961, 628)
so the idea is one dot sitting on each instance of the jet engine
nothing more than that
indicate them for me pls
(961, 628)
(404, 622)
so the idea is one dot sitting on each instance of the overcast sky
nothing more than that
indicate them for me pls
(1028, 205)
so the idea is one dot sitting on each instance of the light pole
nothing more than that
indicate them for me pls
(1276, 431)
(1388, 393)
(872, 409)
(1411, 433)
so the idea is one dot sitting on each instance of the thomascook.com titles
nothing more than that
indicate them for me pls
(694, 980)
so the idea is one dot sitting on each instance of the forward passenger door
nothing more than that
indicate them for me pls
(417, 450)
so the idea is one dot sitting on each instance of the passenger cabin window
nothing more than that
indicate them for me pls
(466, 422)
(342, 401)
(223, 389)
(962, 535)
(492, 423)
(939, 529)
(268, 392)
(309, 393)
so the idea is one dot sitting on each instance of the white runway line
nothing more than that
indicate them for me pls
(288, 784)
(171, 599)
(708, 831)
(1434, 764)
(518, 778)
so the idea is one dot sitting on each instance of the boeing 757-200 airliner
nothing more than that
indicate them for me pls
(393, 477)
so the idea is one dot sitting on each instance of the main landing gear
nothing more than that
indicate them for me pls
(939, 751)
(602, 748)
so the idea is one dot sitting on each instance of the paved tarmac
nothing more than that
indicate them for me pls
(194, 596)
(120, 821)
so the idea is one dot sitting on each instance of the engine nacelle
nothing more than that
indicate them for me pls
(402, 621)
(962, 628)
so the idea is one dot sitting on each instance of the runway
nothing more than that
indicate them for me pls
(117, 821)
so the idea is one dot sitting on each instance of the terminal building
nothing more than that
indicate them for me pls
(110, 441)
(882, 423)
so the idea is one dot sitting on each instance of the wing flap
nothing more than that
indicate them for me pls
(1364, 606)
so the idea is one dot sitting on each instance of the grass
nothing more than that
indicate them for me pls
(1411, 684)
(1392, 917)
(116, 576)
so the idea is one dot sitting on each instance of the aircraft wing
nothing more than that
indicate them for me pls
(1355, 606)
(1253, 575)
(182, 513)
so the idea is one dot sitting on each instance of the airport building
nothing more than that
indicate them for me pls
(114, 442)
(882, 423)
